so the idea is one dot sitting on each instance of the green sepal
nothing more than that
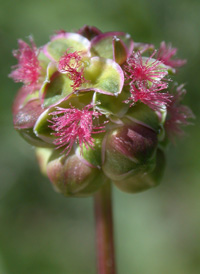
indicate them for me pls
(102, 45)
(120, 53)
(42, 127)
(58, 88)
(44, 61)
(92, 155)
(29, 136)
(31, 96)
(43, 155)
(67, 41)
(163, 114)
(129, 149)
(55, 87)
(104, 76)
(117, 165)
(141, 113)
(111, 105)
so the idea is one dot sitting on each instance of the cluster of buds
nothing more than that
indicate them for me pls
(98, 107)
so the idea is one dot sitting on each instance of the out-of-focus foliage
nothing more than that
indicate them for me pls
(157, 231)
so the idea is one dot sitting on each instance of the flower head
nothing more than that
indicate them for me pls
(165, 54)
(71, 64)
(28, 69)
(80, 82)
(72, 125)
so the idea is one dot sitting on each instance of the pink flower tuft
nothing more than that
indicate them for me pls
(146, 81)
(142, 72)
(71, 64)
(149, 96)
(178, 114)
(165, 55)
(72, 125)
(28, 68)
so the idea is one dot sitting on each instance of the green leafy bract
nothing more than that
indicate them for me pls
(67, 41)
(104, 76)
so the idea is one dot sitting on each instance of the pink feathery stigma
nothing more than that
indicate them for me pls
(72, 125)
(165, 54)
(139, 71)
(28, 68)
(177, 114)
(71, 64)
(146, 81)
(149, 96)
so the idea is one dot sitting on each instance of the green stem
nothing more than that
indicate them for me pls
(104, 230)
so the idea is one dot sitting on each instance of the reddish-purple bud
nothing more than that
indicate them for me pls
(129, 149)
(72, 177)
(89, 32)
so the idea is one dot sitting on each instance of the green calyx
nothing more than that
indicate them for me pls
(144, 180)
(72, 177)
(130, 148)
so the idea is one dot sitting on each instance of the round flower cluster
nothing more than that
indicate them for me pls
(98, 107)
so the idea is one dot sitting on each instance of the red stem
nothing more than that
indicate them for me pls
(104, 230)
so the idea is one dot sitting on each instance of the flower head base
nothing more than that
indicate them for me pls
(72, 125)
(71, 64)
(28, 68)
(165, 55)
(97, 106)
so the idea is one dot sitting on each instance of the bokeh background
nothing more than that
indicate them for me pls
(158, 231)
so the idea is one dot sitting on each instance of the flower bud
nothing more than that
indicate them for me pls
(72, 177)
(144, 180)
(129, 149)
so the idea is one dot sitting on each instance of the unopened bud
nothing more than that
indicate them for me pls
(129, 149)
(144, 180)
(73, 177)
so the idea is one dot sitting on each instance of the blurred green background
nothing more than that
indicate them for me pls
(158, 231)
